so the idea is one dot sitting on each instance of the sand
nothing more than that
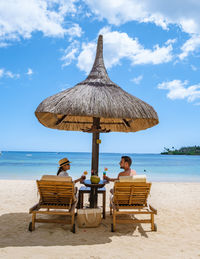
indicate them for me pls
(178, 223)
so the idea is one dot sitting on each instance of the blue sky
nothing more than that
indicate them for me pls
(151, 50)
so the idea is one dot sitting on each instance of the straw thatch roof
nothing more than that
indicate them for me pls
(97, 96)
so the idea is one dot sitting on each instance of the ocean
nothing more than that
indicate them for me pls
(158, 168)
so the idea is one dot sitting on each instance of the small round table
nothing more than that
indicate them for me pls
(94, 191)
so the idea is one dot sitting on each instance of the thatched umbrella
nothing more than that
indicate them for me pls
(96, 105)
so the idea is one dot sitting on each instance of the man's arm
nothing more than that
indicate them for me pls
(113, 179)
(110, 179)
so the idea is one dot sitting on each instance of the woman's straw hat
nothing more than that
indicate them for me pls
(64, 161)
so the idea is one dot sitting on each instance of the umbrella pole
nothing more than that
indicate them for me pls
(95, 146)
(95, 160)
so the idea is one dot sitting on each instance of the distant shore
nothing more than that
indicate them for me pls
(190, 151)
(178, 213)
(176, 153)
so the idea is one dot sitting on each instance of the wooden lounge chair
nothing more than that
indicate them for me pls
(57, 197)
(130, 198)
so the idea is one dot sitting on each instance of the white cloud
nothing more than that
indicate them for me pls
(3, 44)
(1, 72)
(118, 45)
(7, 73)
(191, 45)
(29, 72)
(180, 90)
(70, 53)
(19, 19)
(74, 31)
(156, 56)
(117, 12)
(194, 68)
(86, 57)
(170, 41)
(137, 79)
(88, 14)
(184, 14)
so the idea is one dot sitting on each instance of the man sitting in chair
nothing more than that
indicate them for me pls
(125, 164)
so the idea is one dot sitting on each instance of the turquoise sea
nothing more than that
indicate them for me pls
(160, 168)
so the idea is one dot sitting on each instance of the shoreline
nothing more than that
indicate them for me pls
(156, 182)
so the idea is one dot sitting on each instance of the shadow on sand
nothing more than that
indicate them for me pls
(14, 232)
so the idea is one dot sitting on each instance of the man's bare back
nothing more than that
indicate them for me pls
(129, 172)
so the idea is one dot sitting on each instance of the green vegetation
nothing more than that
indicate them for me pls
(182, 151)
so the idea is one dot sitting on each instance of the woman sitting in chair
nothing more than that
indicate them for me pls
(64, 165)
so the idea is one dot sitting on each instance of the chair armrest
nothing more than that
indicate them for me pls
(153, 209)
(35, 207)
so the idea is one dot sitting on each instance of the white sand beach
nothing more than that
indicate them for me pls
(178, 223)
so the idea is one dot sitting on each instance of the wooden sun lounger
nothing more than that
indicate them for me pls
(130, 198)
(57, 197)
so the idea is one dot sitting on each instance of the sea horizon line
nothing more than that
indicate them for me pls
(86, 152)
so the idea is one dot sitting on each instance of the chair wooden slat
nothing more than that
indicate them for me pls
(130, 198)
(58, 197)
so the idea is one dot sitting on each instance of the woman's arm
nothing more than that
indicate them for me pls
(82, 178)
(77, 180)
